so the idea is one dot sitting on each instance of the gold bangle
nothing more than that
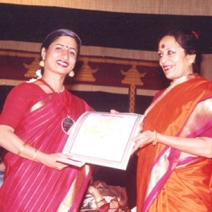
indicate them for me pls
(99, 199)
(155, 138)
(34, 156)
(21, 149)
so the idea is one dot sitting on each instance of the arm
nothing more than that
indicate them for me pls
(20, 99)
(10, 141)
(200, 146)
(99, 199)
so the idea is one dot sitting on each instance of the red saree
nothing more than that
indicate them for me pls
(165, 182)
(31, 186)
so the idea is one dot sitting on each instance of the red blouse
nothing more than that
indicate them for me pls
(18, 102)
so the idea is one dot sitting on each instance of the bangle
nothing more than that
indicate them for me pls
(155, 138)
(99, 199)
(21, 149)
(34, 156)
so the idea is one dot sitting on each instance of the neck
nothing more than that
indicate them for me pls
(183, 78)
(54, 87)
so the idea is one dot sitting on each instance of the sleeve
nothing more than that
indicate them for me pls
(17, 104)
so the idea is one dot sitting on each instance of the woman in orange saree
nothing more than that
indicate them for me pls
(174, 164)
(33, 128)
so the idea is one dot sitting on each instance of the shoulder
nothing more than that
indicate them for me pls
(200, 81)
(78, 102)
(26, 89)
(25, 86)
(158, 93)
(17, 103)
(24, 93)
(202, 85)
(74, 98)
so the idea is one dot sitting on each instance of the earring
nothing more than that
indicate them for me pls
(41, 63)
(71, 74)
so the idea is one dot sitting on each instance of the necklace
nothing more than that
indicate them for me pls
(45, 83)
(67, 122)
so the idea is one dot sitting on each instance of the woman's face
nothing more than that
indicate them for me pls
(173, 59)
(61, 55)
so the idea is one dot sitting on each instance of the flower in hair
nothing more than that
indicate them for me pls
(38, 74)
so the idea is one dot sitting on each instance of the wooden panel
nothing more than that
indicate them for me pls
(179, 7)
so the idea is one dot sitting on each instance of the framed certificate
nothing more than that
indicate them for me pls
(103, 138)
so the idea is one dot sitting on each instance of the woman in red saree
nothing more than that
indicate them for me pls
(33, 128)
(174, 169)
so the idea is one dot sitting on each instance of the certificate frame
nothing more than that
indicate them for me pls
(103, 138)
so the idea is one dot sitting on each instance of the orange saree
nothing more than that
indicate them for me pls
(165, 182)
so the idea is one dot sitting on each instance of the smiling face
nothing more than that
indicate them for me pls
(173, 59)
(61, 55)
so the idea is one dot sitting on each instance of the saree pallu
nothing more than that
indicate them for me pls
(166, 183)
(32, 186)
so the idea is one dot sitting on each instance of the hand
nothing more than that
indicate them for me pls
(141, 126)
(50, 160)
(142, 139)
(99, 199)
(113, 111)
(94, 191)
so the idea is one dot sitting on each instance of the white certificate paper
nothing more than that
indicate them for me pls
(103, 138)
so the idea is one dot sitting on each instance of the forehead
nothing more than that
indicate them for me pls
(66, 40)
(168, 42)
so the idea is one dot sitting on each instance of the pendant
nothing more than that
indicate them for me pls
(67, 124)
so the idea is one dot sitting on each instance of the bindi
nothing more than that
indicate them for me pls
(162, 46)
(66, 47)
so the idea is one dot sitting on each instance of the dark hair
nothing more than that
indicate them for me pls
(50, 38)
(61, 32)
(189, 40)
